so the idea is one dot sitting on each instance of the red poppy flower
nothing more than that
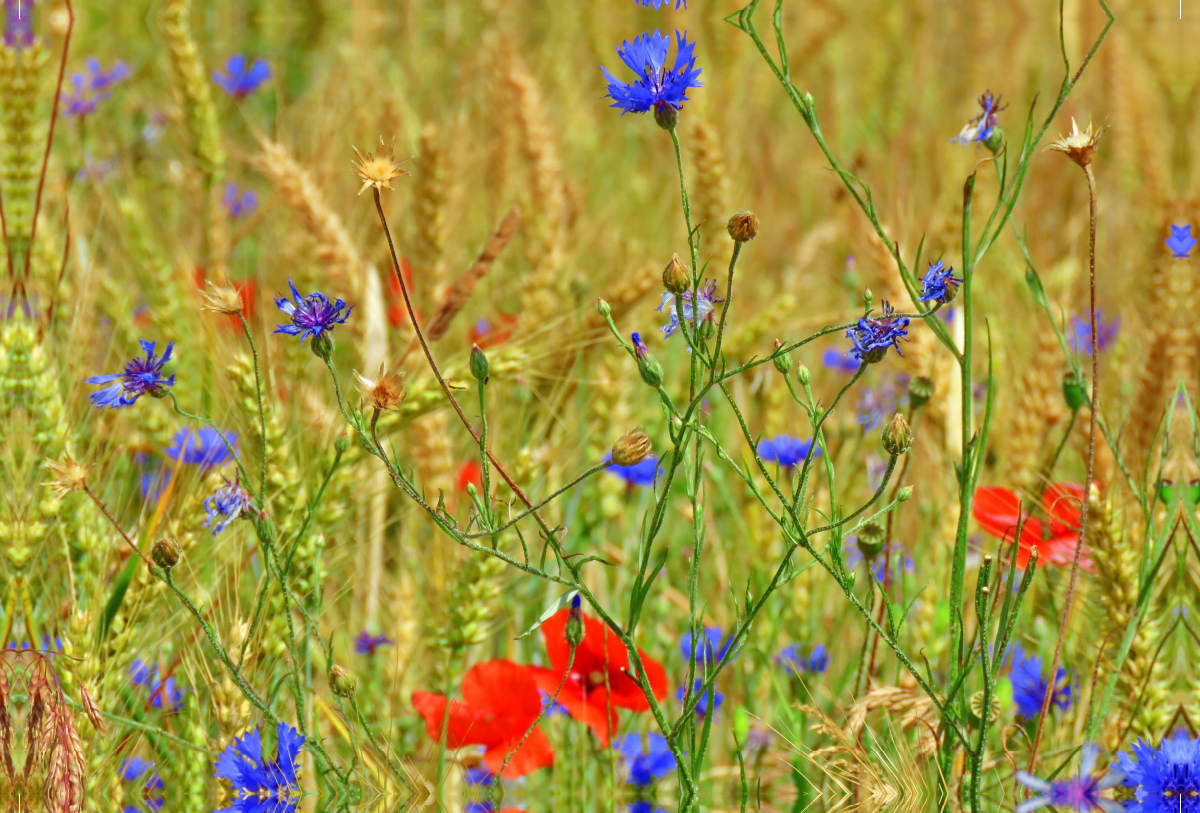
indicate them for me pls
(998, 510)
(584, 695)
(471, 472)
(500, 702)
(397, 310)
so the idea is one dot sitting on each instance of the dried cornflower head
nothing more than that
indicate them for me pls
(385, 392)
(743, 227)
(631, 448)
(69, 475)
(377, 170)
(224, 299)
(1079, 146)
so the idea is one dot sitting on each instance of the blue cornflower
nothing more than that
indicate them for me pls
(83, 101)
(872, 337)
(479, 777)
(701, 699)
(792, 659)
(153, 480)
(839, 361)
(242, 763)
(786, 450)
(133, 770)
(642, 806)
(550, 707)
(1029, 686)
(980, 128)
(1181, 241)
(366, 643)
(656, 87)
(201, 447)
(709, 649)
(229, 502)
(311, 315)
(1082, 793)
(100, 80)
(239, 80)
(141, 376)
(164, 694)
(1167, 778)
(939, 283)
(705, 309)
(1081, 332)
(239, 202)
(644, 767)
(639, 474)
(900, 559)
(657, 3)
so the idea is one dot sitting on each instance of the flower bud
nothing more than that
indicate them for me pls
(782, 361)
(341, 443)
(665, 116)
(905, 494)
(675, 276)
(897, 436)
(803, 375)
(472, 492)
(322, 345)
(479, 364)
(631, 448)
(603, 308)
(868, 299)
(743, 227)
(871, 539)
(920, 390)
(165, 553)
(648, 367)
(342, 681)
(266, 530)
(574, 630)
(1073, 392)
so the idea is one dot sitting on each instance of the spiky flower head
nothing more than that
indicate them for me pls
(342, 681)
(1080, 147)
(223, 299)
(377, 170)
(1080, 793)
(743, 227)
(253, 776)
(141, 376)
(656, 87)
(979, 129)
(1167, 778)
(704, 310)
(939, 284)
(311, 315)
(228, 502)
(1029, 685)
(69, 475)
(675, 277)
(385, 392)
(872, 337)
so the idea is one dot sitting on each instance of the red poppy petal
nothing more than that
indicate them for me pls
(534, 753)
(464, 725)
(503, 689)
(1063, 502)
(590, 710)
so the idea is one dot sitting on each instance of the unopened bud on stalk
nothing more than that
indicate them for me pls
(479, 364)
(1073, 392)
(868, 299)
(782, 361)
(905, 494)
(920, 390)
(165, 553)
(266, 529)
(897, 436)
(871, 539)
(574, 630)
(675, 277)
(342, 681)
(631, 448)
(471, 491)
(603, 308)
(341, 443)
(743, 227)
(648, 366)
(803, 375)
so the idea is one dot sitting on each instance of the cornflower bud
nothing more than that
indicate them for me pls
(897, 436)
(631, 448)
(743, 227)
(342, 681)
(871, 539)
(574, 630)
(165, 553)
(479, 364)
(868, 299)
(648, 366)
(905, 494)
(920, 390)
(675, 276)
(341, 443)
(803, 375)
(782, 361)
(603, 308)
(266, 530)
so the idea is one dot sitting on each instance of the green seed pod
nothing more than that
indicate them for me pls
(920, 390)
(266, 530)
(603, 308)
(574, 630)
(479, 364)
(871, 539)
(341, 443)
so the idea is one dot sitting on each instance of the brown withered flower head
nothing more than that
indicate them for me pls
(224, 299)
(69, 475)
(1079, 146)
(631, 448)
(385, 391)
(377, 170)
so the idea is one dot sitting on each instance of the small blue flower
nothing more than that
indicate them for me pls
(657, 3)
(1167, 778)
(701, 699)
(202, 447)
(639, 474)
(243, 764)
(644, 767)
(239, 80)
(551, 708)
(1081, 793)
(872, 337)
(100, 80)
(228, 502)
(656, 86)
(900, 559)
(1081, 332)
(792, 659)
(311, 315)
(479, 777)
(1029, 685)
(709, 649)
(1181, 242)
(163, 694)
(704, 308)
(841, 362)
(939, 284)
(980, 128)
(141, 376)
(786, 450)
(239, 202)
(133, 770)
(83, 101)
(49, 647)
(366, 643)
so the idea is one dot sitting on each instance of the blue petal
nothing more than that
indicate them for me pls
(290, 742)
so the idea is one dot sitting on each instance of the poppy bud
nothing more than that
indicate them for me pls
(165, 553)
(574, 630)
(782, 361)
(803, 375)
(920, 390)
(897, 436)
(871, 539)
(648, 366)
(342, 681)
(675, 276)
(322, 345)
(631, 448)
(603, 308)
(341, 443)
(665, 116)
(1073, 392)
(743, 227)
(479, 364)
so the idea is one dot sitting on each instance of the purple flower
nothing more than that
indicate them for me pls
(203, 447)
(311, 315)
(792, 659)
(1081, 332)
(786, 450)
(980, 128)
(133, 770)
(1181, 241)
(704, 309)
(639, 474)
(141, 376)
(657, 3)
(243, 764)
(229, 503)
(701, 699)
(1029, 685)
(239, 203)
(1081, 793)
(1167, 778)
(644, 767)
(239, 80)
(872, 337)
(164, 694)
(842, 362)
(366, 643)
(939, 284)
(83, 101)
(18, 19)
(656, 87)
(100, 80)
(709, 649)
(639, 346)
